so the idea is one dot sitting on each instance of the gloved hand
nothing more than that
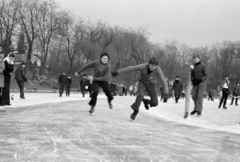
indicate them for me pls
(114, 73)
(165, 98)
(196, 81)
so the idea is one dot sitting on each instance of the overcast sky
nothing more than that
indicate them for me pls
(194, 22)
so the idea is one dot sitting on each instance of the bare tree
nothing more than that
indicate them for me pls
(9, 19)
(28, 13)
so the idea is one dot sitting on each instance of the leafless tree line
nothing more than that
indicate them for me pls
(61, 40)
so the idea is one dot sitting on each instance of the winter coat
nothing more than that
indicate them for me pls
(2, 67)
(20, 74)
(236, 90)
(62, 79)
(177, 87)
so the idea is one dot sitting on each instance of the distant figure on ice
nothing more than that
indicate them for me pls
(177, 89)
(236, 93)
(198, 77)
(84, 85)
(210, 95)
(68, 85)
(100, 79)
(225, 86)
(62, 82)
(149, 72)
(21, 78)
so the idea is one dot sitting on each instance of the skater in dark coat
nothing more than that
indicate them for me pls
(149, 72)
(100, 79)
(226, 90)
(198, 77)
(21, 78)
(68, 85)
(8, 72)
(83, 84)
(177, 89)
(236, 93)
(62, 82)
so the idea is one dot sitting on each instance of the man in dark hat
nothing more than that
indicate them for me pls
(177, 88)
(21, 78)
(100, 79)
(149, 73)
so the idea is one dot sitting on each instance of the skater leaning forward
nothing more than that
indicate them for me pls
(100, 79)
(149, 72)
(198, 78)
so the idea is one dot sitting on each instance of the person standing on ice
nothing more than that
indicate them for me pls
(149, 72)
(100, 79)
(226, 89)
(177, 88)
(199, 82)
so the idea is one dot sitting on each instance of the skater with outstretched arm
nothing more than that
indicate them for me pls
(149, 71)
(100, 79)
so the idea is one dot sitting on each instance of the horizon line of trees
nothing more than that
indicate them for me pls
(42, 29)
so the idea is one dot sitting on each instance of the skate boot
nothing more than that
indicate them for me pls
(110, 105)
(134, 114)
(193, 112)
(91, 110)
(146, 104)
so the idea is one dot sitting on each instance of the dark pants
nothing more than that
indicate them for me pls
(68, 90)
(198, 94)
(6, 94)
(177, 96)
(106, 88)
(21, 88)
(224, 97)
(61, 88)
(151, 90)
(236, 100)
(83, 93)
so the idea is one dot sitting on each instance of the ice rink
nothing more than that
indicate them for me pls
(47, 128)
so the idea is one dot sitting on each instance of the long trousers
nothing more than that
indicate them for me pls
(106, 88)
(151, 90)
(224, 97)
(198, 94)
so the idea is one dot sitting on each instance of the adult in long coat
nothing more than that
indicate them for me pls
(2, 67)
(8, 72)
(21, 78)
(177, 88)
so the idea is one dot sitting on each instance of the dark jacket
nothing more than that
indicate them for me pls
(177, 87)
(236, 90)
(62, 79)
(69, 82)
(20, 74)
(83, 84)
(9, 68)
(198, 74)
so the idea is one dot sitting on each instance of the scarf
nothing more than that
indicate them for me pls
(8, 59)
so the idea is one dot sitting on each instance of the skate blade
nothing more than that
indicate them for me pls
(186, 115)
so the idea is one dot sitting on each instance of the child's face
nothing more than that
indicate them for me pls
(104, 59)
(196, 60)
(152, 67)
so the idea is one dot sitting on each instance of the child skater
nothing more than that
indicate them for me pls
(149, 71)
(100, 79)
